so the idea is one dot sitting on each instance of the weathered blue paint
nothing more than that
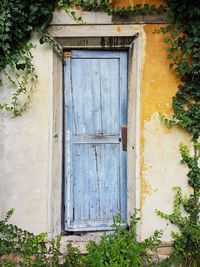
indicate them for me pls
(95, 164)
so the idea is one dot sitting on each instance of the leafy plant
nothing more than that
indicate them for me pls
(18, 19)
(21, 247)
(183, 38)
(120, 248)
(186, 245)
(74, 258)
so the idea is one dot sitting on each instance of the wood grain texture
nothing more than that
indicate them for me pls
(95, 165)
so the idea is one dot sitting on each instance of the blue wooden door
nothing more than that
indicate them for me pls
(95, 163)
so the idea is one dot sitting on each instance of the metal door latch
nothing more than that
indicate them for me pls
(124, 137)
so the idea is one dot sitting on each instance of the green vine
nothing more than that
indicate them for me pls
(20, 248)
(18, 19)
(185, 216)
(107, 7)
(183, 37)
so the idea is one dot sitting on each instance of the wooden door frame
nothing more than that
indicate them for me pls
(63, 34)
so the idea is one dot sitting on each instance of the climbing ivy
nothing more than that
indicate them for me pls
(183, 37)
(18, 19)
(185, 216)
(183, 40)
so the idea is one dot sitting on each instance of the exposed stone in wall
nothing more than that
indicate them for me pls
(163, 251)
(80, 240)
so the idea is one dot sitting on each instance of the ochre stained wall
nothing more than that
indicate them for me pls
(159, 85)
(160, 168)
(159, 149)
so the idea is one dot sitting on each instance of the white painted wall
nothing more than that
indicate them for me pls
(24, 151)
(163, 172)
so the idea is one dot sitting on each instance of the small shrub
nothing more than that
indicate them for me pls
(118, 249)
(21, 248)
(185, 215)
(121, 249)
(74, 258)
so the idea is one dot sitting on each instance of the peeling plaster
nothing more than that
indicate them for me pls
(161, 171)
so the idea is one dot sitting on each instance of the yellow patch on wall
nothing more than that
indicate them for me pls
(159, 85)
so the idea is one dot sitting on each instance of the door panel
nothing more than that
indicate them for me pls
(95, 164)
(94, 191)
(95, 96)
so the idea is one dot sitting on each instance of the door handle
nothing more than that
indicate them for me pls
(124, 137)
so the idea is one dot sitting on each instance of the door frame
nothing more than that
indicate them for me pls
(92, 39)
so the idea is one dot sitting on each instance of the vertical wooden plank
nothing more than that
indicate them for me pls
(109, 75)
(96, 95)
(79, 83)
(68, 137)
(109, 180)
(81, 182)
(123, 121)
(86, 94)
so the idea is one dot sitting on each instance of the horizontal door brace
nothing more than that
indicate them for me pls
(96, 139)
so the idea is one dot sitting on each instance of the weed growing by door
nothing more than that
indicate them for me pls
(117, 249)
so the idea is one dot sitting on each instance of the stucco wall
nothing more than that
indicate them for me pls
(25, 143)
(160, 158)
